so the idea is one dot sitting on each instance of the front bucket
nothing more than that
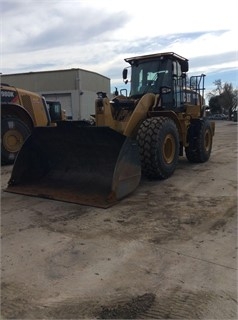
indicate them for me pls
(88, 165)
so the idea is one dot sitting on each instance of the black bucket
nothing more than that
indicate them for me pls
(88, 165)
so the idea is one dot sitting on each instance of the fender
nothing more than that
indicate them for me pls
(10, 109)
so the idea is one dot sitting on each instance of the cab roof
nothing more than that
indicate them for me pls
(156, 55)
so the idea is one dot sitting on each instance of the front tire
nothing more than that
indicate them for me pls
(13, 134)
(158, 141)
(200, 142)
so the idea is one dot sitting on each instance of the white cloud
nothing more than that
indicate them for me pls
(98, 35)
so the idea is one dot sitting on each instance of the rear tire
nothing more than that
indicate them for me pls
(200, 142)
(13, 134)
(158, 141)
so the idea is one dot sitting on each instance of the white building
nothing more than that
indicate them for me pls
(76, 89)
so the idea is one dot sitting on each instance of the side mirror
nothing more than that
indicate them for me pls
(184, 66)
(124, 74)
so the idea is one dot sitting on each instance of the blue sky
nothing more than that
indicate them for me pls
(38, 35)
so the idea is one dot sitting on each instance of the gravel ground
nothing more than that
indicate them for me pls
(168, 251)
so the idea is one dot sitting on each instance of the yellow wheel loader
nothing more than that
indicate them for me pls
(140, 133)
(21, 111)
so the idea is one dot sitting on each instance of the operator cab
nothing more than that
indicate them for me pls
(153, 73)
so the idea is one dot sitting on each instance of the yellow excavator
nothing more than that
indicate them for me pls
(140, 133)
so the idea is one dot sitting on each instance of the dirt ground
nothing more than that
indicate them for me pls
(168, 251)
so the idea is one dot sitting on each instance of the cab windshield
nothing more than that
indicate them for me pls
(149, 76)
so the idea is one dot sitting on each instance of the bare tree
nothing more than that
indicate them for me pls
(223, 98)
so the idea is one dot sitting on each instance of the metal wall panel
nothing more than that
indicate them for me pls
(76, 88)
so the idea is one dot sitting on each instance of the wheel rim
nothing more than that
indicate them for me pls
(207, 140)
(13, 140)
(169, 148)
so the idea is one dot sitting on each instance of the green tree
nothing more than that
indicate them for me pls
(223, 98)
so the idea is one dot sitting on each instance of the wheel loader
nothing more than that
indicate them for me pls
(143, 132)
(21, 111)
